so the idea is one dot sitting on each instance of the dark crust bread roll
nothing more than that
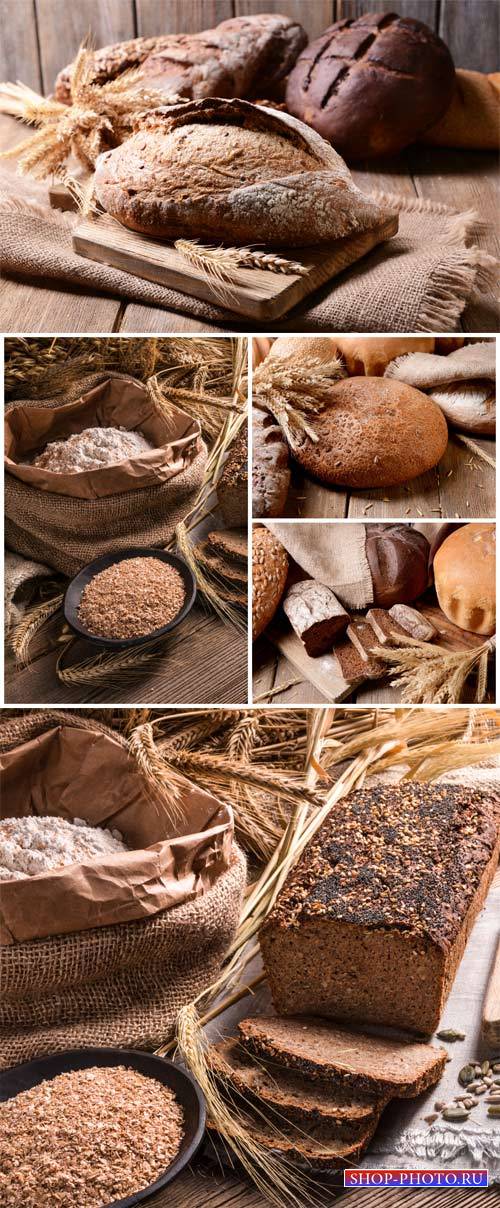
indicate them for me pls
(398, 557)
(235, 172)
(373, 85)
(245, 56)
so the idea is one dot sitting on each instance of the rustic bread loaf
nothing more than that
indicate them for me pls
(313, 1149)
(370, 355)
(385, 627)
(232, 486)
(472, 118)
(241, 57)
(230, 543)
(373, 920)
(372, 85)
(316, 615)
(235, 172)
(374, 433)
(464, 577)
(269, 573)
(410, 621)
(350, 1060)
(398, 557)
(270, 466)
(302, 349)
(347, 1116)
(232, 573)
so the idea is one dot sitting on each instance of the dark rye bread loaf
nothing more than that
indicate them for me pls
(313, 1150)
(235, 172)
(373, 921)
(369, 436)
(354, 1061)
(241, 57)
(270, 466)
(230, 543)
(372, 85)
(232, 486)
(348, 1117)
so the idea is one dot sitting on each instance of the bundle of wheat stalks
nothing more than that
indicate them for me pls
(204, 377)
(283, 771)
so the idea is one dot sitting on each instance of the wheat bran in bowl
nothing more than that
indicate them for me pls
(87, 1138)
(132, 598)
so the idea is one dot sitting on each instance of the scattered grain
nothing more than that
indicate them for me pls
(132, 598)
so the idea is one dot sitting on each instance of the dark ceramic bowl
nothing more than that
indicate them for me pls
(184, 1087)
(77, 585)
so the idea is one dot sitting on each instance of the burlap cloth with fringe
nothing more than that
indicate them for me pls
(68, 532)
(121, 985)
(421, 280)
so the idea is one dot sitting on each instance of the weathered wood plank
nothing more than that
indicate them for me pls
(19, 58)
(62, 27)
(466, 483)
(470, 29)
(25, 307)
(412, 499)
(314, 16)
(152, 320)
(180, 16)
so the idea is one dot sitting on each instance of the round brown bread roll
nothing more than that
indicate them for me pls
(372, 85)
(303, 348)
(370, 355)
(398, 558)
(269, 572)
(235, 172)
(374, 432)
(464, 576)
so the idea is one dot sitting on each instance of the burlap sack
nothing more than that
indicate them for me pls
(117, 985)
(68, 530)
(332, 554)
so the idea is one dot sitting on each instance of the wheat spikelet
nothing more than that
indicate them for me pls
(428, 674)
(219, 265)
(168, 783)
(295, 392)
(212, 592)
(23, 634)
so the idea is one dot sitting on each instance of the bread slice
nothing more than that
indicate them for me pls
(290, 1096)
(355, 1060)
(312, 1150)
(233, 573)
(230, 543)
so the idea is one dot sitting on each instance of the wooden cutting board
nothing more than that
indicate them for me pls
(255, 293)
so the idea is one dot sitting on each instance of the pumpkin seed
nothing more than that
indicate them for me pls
(494, 1110)
(466, 1075)
(451, 1035)
(456, 1113)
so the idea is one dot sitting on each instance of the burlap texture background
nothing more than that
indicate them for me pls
(421, 280)
(121, 985)
(67, 532)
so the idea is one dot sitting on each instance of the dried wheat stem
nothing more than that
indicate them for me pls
(471, 444)
(23, 634)
(221, 264)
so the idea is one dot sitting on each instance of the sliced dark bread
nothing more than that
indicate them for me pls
(290, 1096)
(310, 1150)
(367, 1064)
(219, 565)
(230, 543)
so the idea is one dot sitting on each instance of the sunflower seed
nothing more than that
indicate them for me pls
(481, 1090)
(451, 1035)
(488, 1081)
(456, 1113)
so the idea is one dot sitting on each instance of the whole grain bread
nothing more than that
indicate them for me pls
(230, 543)
(372, 437)
(231, 572)
(372, 922)
(294, 1097)
(232, 486)
(316, 615)
(312, 1151)
(269, 573)
(242, 57)
(235, 172)
(355, 1061)
(270, 466)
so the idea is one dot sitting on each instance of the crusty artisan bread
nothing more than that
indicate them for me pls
(372, 84)
(312, 1149)
(269, 572)
(464, 577)
(472, 118)
(372, 922)
(235, 172)
(351, 1060)
(232, 486)
(370, 355)
(287, 1091)
(270, 465)
(398, 557)
(244, 56)
(230, 543)
(373, 432)
(317, 617)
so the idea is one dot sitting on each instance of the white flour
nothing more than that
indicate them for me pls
(35, 844)
(91, 450)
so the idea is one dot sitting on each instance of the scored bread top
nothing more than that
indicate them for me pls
(408, 856)
(230, 170)
(324, 1050)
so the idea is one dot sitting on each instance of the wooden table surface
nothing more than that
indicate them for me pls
(461, 486)
(464, 180)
